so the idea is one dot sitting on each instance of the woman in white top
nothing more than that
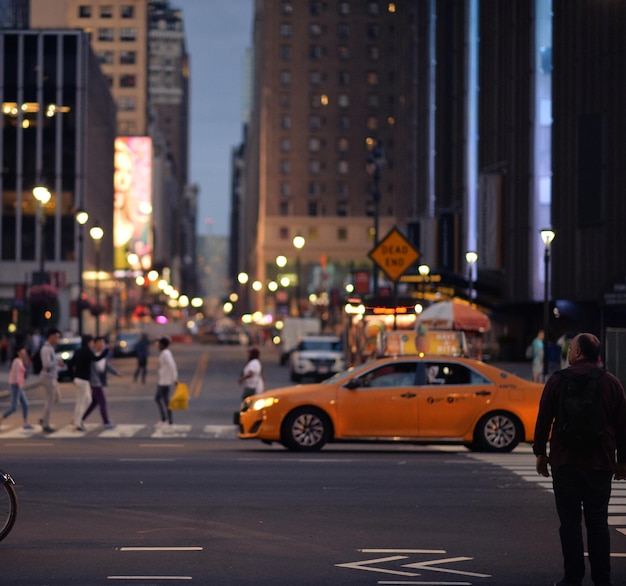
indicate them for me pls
(168, 376)
(252, 376)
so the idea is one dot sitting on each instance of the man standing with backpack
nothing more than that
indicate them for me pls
(585, 408)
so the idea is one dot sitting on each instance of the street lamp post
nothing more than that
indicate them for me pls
(375, 161)
(42, 195)
(299, 243)
(471, 257)
(81, 217)
(547, 236)
(96, 234)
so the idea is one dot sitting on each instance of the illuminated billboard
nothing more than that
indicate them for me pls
(132, 215)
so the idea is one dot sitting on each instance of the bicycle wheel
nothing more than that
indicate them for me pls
(8, 508)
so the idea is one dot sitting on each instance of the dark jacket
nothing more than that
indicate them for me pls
(602, 457)
(80, 363)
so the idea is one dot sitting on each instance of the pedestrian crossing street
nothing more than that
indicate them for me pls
(525, 468)
(123, 430)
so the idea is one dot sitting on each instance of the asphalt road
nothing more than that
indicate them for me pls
(213, 510)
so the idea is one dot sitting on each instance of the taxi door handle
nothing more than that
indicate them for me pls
(482, 393)
(408, 395)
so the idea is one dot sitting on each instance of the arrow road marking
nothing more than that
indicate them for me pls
(427, 566)
(362, 565)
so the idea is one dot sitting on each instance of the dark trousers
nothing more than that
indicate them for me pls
(142, 364)
(577, 488)
(163, 400)
(98, 398)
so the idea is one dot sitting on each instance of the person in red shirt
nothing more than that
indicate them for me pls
(581, 477)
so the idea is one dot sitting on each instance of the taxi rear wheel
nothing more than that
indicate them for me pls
(497, 432)
(306, 430)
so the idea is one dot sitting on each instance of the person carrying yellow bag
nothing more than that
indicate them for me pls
(180, 398)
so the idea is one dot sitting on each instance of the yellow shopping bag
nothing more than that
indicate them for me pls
(180, 398)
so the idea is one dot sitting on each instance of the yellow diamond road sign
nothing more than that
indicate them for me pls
(394, 254)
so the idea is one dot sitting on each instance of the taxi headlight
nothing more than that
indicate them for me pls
(264, 403)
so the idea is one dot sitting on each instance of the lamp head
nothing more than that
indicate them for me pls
(547, 236)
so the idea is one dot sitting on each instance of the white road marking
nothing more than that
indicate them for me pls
(171, 431)
(69, 432)
(172, 548)
(122, 430)
(149, 578)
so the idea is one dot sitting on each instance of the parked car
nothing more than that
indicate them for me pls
(427, 399)
(124, 344)
(224, 335)
(317, 356)
(65, 351)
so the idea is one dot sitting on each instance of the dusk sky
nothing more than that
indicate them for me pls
(218, 34)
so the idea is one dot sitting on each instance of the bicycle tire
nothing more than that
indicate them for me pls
(8, 508)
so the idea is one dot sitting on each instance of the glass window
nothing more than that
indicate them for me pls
(285, 77)
(315, 7)
(285, 30)
(343, 167)
(315, 29)
(285, 145)
(285, 188)
(372, 100)
(342, 189)
(372, 123)
(285, 122)
(315, 52)
(312, 208)
(343, 123)
(373, 31)
(105, 57)
(343, 30)
(315, 123)
(314, 167)
(373, 9)
(283, 208)
(372, 78)
(342, 211)
(106, 34)
(128, 34)
(315, 144)
(452, 373)
(343, 100)
(283, 233)
(342, 233)
(128, 80)
(128, 57)
(344, 8)
(284, 100)
(373, 52)
(106, 11)
(127, 11)
(285, 166)
(343, 52)
(315, 77)
(394, 374)
(344, 78)
(315, 188)
(286, 8)
(285, 52)
(126, 104)
(342, 144)
(84, 11)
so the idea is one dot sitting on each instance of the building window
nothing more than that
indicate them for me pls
(315, 30)
(283, 208)
(285, 52)
(128, 57)
(315, 77)
(285, 166)
(372, 100)
(343, 123)
(109, 80)
(285, 30)
(315, 144)
(84, 11)
(343, 167)
(312, 208)
(372, 78)
(372, 123)
(285, 122)
(342, 233)
(285, 77)
(342, 190)
(128, 80)
(344, 78)
(343, 100)
(106, 34)
(314, 167)
(315, 52)
(315, 123)
(344, 8)
(373, 52)
(318, 100)
(283, 233)
(372, 8)
(284, 100)
(285, 145)
(127, 11)
(106, 11)
(128, 34)
(315, 7)
(373, 31)
(286, 8)
(285, 188)
(342, 145)
(315, 188)
(343, 30)
(343, 52)
(105, 57)
(126, 104)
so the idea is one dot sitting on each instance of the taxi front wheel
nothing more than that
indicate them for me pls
(306, 429)
(497, 432)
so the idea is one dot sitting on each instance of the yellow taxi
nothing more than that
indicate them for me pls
(428, 399)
